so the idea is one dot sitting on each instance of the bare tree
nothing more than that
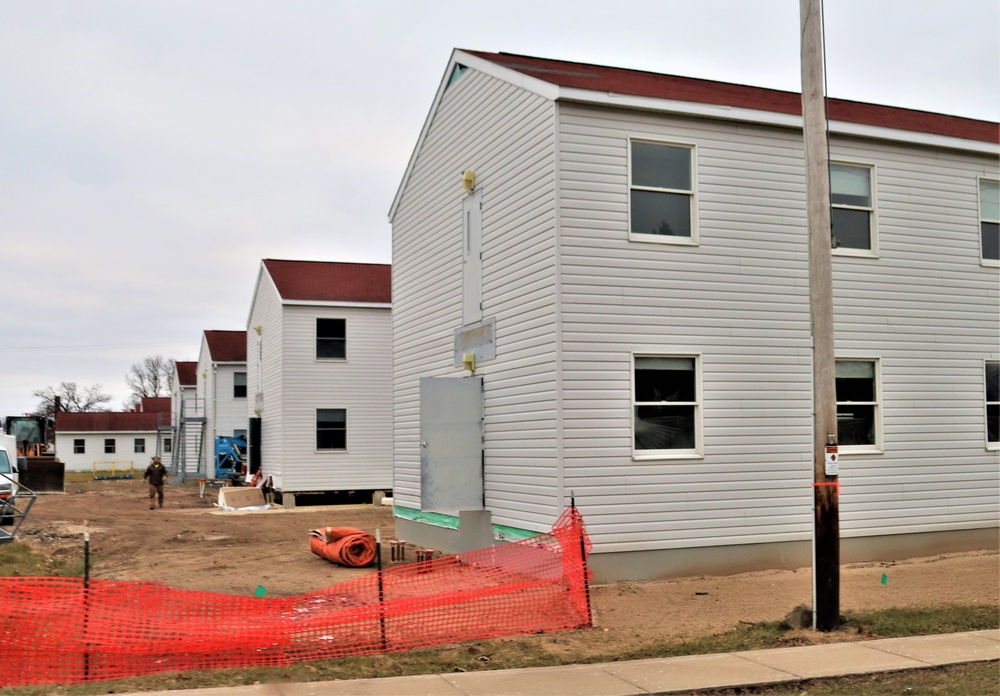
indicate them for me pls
(71, 398)
(151, 377)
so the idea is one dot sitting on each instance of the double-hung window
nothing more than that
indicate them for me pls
(331, 339)
(331, 429)
(239, 385)
(667, 405)
(989, 221)
(859, 420)
(993, 404)
(79, 446)
(109, 445)
(139, 446)
(852, 209)
(662, 201)
(168, 445)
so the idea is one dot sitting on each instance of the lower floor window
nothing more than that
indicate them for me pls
(331, 428)
(168, 445)
(109, 445)
(666, 405)
(140, 445)
(79, 446)
(993, 403)
(858, 414)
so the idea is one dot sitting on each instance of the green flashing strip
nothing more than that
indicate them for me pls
(500, 531)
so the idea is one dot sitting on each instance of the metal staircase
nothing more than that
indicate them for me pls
(189, 440)
(14, 509)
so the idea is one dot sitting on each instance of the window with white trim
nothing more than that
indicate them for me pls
(139, 445)
(992, 378)
(168, 445)
(79, 446)
(331, 339)
(858, 415)
(852, 209)
(666, 405)
(239, 385)
(662, 201)
(331, 428)
(989, 221)
(109, 445)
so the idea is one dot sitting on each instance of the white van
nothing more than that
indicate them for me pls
(8, 469)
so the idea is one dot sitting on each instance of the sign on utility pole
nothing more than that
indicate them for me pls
(826, 488)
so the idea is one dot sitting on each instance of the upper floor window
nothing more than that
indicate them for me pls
(79, 446)
(240, 385)
(667, 405)
(331, 339)
(662, 197)
(852, 210)
(993, 404)
(989, 221)
(858, 416)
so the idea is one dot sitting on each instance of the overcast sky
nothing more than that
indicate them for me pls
(153, 152)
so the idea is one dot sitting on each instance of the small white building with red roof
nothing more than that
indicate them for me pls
(319, 377)
(98, 440)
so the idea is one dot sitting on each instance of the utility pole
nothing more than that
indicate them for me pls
(826, 488)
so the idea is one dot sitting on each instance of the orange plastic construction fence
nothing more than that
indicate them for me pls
(61, 630)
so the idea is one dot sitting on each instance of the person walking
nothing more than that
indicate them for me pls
(156, 473)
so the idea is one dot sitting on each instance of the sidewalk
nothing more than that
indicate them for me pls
(657, 676)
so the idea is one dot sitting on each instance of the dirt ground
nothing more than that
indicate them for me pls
(192, 544)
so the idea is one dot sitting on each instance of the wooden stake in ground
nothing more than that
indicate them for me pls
(826, 491)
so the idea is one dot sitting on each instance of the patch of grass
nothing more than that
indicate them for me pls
(579, 647)
(18, 560)
(896, 623)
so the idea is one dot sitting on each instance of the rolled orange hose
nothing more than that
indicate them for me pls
(344, 546)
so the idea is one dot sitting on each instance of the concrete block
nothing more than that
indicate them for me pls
(235, 497)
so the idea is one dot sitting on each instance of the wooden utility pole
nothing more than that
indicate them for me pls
(826, 490)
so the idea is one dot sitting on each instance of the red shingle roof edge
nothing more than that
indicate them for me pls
(647, 84)
(331, 281)
(187, 373)
(227, 346)
(110, 421)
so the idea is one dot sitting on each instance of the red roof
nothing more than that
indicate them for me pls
(646, 84)
(106, 422)
(227, 346)
(154, 404)
(187, 373)
(331, 281)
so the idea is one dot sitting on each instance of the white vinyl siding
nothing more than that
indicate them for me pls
(264, 374)
(575, 299)
(928, 311)
(93, 450)
(741, 300)
(360, 385)
(507, 137)
(282, 366)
